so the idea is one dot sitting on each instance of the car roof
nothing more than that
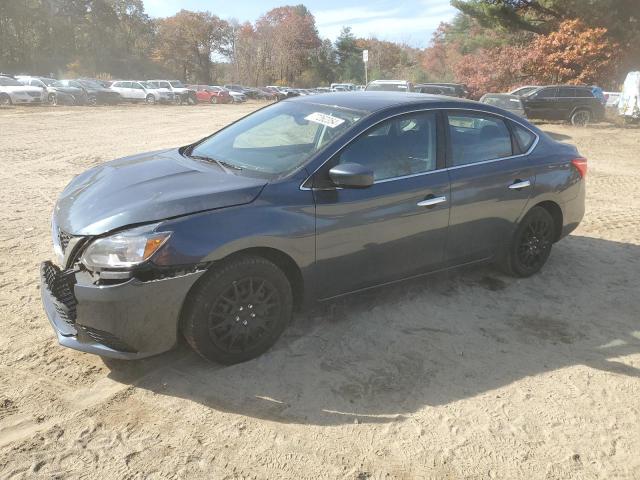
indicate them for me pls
(373, 101)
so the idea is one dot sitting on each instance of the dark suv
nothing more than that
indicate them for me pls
(577, 105)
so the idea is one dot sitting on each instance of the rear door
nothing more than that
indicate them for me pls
(541, 104)
(395, 228)
(566, 101)
(491, 182)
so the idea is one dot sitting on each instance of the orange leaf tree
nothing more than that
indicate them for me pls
(574, 54)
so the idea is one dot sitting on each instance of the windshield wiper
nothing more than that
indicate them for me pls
(221, 163)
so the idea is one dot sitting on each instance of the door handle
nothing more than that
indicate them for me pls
(520, 184)
(432, 201)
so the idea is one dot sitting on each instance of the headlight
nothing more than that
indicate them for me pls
(125, 249)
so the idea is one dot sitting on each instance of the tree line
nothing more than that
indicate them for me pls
(490, 45)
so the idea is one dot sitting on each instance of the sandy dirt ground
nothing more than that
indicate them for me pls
(460, 375)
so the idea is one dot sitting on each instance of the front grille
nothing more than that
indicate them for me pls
(60, 285)
(64, 239)
(107, 339)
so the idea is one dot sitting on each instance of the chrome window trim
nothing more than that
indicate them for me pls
(446, 169)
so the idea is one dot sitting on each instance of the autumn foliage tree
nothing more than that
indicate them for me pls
(574, 54)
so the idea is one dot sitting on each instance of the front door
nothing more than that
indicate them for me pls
(491, 182)
(397, 227)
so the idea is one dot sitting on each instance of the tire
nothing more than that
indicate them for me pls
(213, 100)
(93, 101)
(530, 245)
(178, 99)
(238, 310)
(5, 100)
(581, 118)
(151, 100)
(53, 99)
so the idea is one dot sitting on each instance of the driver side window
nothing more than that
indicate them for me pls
(397, 147)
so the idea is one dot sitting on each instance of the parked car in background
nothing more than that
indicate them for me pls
(459, 90)
(575, 104)
(237, 97)
(435, 90)
(342, 87)
(51, 94)
(96, 93)
(612, 99)
(12, 92)
(511, 103)
(182, 94)
(224, 96)
(389, 86)
(134, 91)
(218, 240)
(62, 91)
(277, 94)
(210, 94)
(520, 91)
(629, 103)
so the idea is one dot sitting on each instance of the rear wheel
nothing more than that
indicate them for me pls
(5, 99)
(238, 311)
(531, 244)
(151, 100)
(213, 99)
(92, 100)
(581, 118)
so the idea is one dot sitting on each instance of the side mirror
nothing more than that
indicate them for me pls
(351, 175)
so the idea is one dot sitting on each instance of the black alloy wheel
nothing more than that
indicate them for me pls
(237, 310)
(581, 118)
(531, 244)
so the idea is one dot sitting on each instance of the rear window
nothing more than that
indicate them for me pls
(584, 93)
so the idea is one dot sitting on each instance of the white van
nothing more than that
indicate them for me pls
(629, 103)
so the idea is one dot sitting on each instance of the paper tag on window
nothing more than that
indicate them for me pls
(324, 119)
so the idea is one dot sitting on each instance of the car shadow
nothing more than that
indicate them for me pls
(382, 355)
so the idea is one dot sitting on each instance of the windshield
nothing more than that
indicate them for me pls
(177, 84)
(387, 87)
(503, 102)
(279, 138)
(9, 82)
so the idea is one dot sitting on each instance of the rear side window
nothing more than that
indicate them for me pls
(584, 93)
(524, 137)
(478, 138)
(567, 92)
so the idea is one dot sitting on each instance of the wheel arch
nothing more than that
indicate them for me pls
(556, 213)
(279, 258)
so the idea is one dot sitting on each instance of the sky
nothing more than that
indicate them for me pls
(408, 22)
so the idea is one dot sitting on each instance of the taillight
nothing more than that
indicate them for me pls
(581, 165)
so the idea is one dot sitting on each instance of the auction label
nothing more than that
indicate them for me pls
(324, 119)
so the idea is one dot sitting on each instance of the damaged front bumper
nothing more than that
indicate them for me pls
(127, 320)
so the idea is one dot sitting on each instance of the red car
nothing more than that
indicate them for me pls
(210, 94)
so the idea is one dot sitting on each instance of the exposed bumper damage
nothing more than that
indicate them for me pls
(126, 320)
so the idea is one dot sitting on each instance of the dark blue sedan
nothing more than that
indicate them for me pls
(308, 199)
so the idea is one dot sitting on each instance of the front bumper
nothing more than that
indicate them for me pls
(128, 320)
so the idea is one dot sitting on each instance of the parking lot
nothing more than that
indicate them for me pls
(469, 374)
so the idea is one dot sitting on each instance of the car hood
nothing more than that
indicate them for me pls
(146, 188)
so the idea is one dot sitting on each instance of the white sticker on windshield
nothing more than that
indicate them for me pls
(324, 119)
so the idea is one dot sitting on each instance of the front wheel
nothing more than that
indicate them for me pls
(213, 100)
(531, 244)
(581, 118)
(93, 101)
(238, 310)
(5, 100)
(151, 100)
(53, 99)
